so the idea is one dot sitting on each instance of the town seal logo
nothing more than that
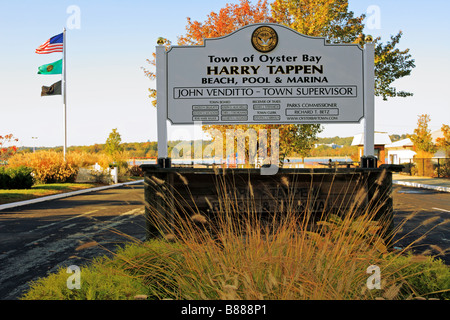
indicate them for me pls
(264, 39)
(49, 68)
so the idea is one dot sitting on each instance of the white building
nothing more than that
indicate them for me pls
(434, 136)
(381, 139)
(400, 151)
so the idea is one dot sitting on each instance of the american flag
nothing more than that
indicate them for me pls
(54, 44)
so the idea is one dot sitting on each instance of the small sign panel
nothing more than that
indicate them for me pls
(265, 74)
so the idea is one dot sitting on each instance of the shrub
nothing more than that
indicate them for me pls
(16, 178)
(101, 176)
(5, 179)
(443, 171)
(135, 171)
(99, 281)
(48, 166)
(85, 159)
(423, 275)
(120, 160)
(21, 178)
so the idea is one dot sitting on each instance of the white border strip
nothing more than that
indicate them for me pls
(63, 195)
(419, 185)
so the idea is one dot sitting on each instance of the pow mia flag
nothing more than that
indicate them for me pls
(53, 90)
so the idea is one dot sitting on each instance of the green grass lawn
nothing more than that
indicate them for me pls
(41, 190)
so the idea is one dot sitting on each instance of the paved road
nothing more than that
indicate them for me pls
(39, 239)
(429, 213)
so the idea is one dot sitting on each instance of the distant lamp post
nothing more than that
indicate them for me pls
(34, 145)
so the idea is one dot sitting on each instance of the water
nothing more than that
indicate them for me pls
(212, 161)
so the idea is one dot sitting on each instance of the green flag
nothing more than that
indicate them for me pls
(51, 68)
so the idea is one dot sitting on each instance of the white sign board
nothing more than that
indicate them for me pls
(265, 74)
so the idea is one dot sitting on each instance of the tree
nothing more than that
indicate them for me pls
(391, 64)
(152, 75)
(227, 20)
(397, 137)
(444, 143)
(332, 20)
(303, 139)
(422, 140)
(7, 147)
(319, 18)
(113, 143)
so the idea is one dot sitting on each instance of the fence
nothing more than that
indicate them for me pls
(427, 167)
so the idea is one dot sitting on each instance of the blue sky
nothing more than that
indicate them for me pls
(107, 88)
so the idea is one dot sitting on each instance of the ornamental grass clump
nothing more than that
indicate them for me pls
(234, 253)
(230, 251)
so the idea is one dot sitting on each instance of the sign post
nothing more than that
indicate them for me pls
(369, 101)
(161, 87)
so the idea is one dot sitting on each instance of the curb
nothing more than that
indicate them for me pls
(420, 185)
(64, 195)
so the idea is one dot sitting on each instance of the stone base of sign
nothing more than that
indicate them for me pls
(176, 192)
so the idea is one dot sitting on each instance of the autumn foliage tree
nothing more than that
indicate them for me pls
(113, 143)
(228, 19)
(319, 18)
(422, 140)
(332, 19)
(444, 142)
(7, 146)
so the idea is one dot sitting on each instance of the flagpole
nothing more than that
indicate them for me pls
(64, 94)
